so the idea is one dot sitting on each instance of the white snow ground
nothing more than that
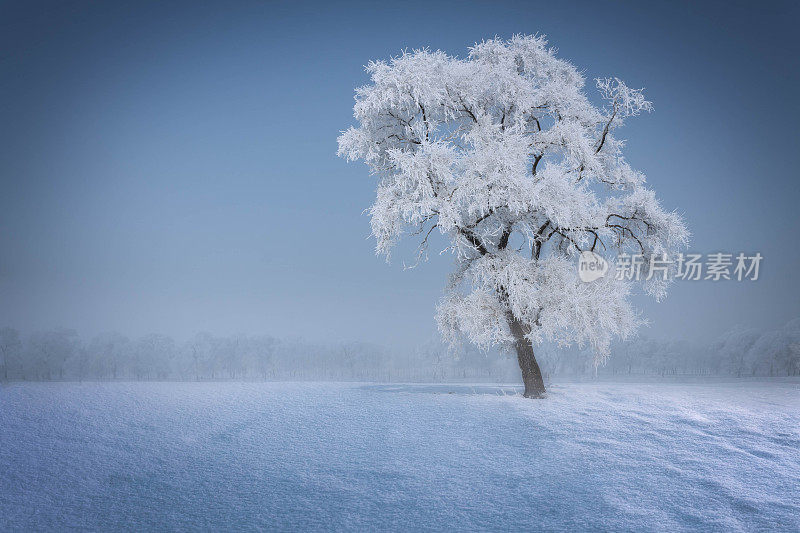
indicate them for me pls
(225, 456)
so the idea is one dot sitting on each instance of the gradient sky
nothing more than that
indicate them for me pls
(173, 169)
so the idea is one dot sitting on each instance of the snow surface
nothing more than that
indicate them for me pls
(386, 457)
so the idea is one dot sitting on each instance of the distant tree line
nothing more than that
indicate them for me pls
(61, 354)
(741, 352)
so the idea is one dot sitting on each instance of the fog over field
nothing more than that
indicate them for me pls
(61, 355)
(399, 266)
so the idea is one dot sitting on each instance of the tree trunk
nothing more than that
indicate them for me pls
(531, 374)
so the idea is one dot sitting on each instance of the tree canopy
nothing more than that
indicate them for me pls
(504, 154)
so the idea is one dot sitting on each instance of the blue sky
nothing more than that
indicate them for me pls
(173, 169)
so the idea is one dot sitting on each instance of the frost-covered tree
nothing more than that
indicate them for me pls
(106, 355)
(503, 154)
(732, 349)
(10, 346)
(49, 352)
(776, 353)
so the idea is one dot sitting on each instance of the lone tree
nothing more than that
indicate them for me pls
(504, 155)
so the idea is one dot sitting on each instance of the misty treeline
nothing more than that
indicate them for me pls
(741, 352)
(61, 354)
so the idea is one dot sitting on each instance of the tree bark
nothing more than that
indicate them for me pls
(531, 374)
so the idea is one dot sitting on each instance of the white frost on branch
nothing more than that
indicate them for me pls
(504, 155)
(546, 294)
